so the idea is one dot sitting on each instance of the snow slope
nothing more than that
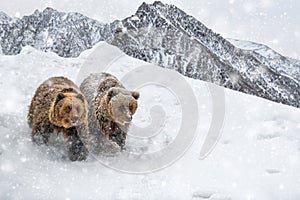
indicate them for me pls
(257, 157)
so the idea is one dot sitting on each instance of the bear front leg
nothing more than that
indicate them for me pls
(116, 134)
(84, 135)
(75, 147)
(40, 134)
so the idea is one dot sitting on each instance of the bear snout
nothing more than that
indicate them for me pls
(75, 119)
(127, 119)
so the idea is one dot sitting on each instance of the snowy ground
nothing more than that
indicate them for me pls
(257, 157)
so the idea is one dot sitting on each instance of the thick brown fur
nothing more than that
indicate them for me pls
(58, 106)
(111, 108)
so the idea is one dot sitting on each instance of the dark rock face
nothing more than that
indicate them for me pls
(65, 34)
(164, 35)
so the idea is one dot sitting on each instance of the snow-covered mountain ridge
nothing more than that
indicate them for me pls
(164, 35)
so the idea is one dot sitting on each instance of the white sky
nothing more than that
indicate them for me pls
(275, 23)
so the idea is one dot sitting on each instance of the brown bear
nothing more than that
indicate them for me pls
(111, 108)
(58, 106)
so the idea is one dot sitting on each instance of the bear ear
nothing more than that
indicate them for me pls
(59, 97)
(80, 96)
(112, 92)
(135, 95)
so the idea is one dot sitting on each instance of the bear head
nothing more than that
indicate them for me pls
(122, 104)
(68, 110)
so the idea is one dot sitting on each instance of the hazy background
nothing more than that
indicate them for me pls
(274, 23)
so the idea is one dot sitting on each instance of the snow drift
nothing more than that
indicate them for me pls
(257, 156)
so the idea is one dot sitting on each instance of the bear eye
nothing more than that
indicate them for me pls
(78, 109)
(68, 109)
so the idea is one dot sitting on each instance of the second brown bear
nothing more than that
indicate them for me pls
(111, 108)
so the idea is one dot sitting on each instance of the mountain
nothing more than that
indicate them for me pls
(65, 34)
(164, 35)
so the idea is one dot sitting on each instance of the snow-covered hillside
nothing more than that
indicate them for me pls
(257, 156)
